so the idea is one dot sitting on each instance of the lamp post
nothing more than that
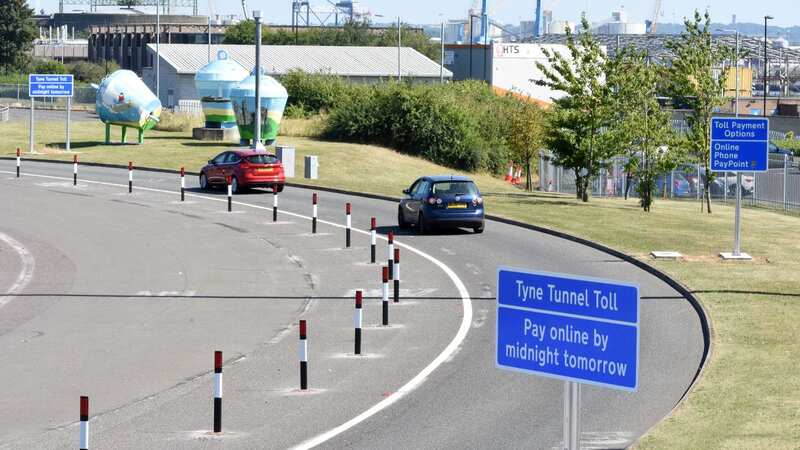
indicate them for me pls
(766, 62)
(257, 119)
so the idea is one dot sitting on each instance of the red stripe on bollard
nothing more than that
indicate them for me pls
(84, 426)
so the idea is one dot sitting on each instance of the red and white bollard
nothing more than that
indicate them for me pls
(217, 391)
(84, 427)
(230, 194)
(183, 184)
(303, 357)
(349, 224)
(314, 213)
(359, 320)
(385, 297)
(396, 275)
(510, 174)
(391, 254)
(274, 205)
(74, 170)
(373, 239)
(19, 161)
(130, 177)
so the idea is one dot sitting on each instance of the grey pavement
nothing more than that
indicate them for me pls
(91, 321)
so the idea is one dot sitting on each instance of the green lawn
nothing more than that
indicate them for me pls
(749, 397)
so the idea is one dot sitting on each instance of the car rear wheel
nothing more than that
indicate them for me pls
(401, 221)
(234, 185)
(203, 181)
(422, 226)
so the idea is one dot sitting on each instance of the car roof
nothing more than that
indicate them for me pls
(438, 178)
(248, 152)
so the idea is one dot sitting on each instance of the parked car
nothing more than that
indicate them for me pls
(246, 168)
(775, 150)
(446, 201)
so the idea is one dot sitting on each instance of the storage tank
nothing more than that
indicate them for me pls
(124, 100)
(214, 83)
(273, 101)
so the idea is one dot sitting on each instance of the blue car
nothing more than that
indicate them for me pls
(441, 201)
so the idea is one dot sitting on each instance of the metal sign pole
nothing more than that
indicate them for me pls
(30, 149)
(257, 124)
(567, 404)
(738, 218)
(69, 108)
(574, 416)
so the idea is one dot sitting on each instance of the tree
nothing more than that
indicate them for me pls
(526, 135)
(692, 80)
(17, 32)
(244, 33)
(642, 128)
(577, 119)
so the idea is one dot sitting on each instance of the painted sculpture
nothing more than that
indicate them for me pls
(124, 100)
(273, 102)
(214, 83)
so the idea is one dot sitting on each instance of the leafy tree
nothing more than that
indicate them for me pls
(577, 119)
(693, 81)
(244, 32)
(42, 65)
(526, 135)
(17, 32)
(642, 129)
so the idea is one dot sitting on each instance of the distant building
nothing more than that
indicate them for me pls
(180, 63)
(619, 25)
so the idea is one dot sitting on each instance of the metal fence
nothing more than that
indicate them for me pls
(778, 188)
(17, 93)
(4, 113)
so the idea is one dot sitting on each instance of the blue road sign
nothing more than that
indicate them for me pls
(50, 85)
(568, 327)
(739, 144)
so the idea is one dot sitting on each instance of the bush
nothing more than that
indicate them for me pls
(170, 121)
(87, 72)
(314, 94)
(46, 66)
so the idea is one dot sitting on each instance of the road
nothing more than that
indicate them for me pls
(130, 294)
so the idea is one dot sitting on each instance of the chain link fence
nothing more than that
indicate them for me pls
(777, 188)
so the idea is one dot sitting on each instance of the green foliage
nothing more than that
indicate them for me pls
(313, 94)
(574, 134)
(790, 143)
(461, 125)
(87, 72)
(351, 33)
(526, 135)
(47, 66)
(693, 82)
(641, 129)
(17, 32)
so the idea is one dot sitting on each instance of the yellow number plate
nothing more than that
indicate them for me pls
(456, 206)
(265, 170)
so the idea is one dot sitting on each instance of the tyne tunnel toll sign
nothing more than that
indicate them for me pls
(739, 144)
(50, 85)
(567, 327)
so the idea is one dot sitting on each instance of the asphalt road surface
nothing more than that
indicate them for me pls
(125, 297)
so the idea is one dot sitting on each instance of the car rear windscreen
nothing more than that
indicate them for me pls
(455, 188)
(262, 159)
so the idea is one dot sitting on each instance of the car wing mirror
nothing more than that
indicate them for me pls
(407, 191)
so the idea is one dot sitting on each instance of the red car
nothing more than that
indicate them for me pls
(247, 168)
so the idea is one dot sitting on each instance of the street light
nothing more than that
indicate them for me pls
(766, 62)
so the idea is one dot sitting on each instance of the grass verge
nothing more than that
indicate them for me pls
(749, 396)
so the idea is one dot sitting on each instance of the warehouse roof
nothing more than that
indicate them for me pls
(280, 59)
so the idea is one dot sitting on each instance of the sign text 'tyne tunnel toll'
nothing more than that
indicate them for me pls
(568, 327)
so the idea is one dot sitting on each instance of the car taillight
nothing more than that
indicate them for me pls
(434, 201)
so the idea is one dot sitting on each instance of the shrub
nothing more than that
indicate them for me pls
(87, 72)
(170, 121)
(47, 66)
(314, 93)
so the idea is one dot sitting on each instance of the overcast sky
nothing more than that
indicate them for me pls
(512, 11)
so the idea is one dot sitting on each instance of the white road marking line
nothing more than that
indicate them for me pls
(25, 275)
(411, 385)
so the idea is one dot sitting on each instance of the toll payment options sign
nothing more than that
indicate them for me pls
(739, 144)
(50, 85)
(572, 328)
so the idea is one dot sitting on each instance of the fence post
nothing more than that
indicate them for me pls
(559, 172)
(700, 184)
(785, 178)
(672, 184)
(755, 183)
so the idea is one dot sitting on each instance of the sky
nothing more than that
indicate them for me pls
(785, 12)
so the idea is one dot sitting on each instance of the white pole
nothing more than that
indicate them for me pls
(574, 416)
(30, 149)
(399, 43)
(69, 108)
(441, 66)
(257, 124)
(158, 49)
(738, 215)
(209, 36)
(566, 405)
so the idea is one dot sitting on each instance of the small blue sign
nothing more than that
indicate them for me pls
(568, 327)
(50, 85)
(739, 144)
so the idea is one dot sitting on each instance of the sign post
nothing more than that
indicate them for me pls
(50, 85)
(577, 329)
(739, 145)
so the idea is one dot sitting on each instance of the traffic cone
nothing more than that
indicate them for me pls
(510, 174)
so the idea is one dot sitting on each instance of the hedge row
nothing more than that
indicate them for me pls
(461, 125)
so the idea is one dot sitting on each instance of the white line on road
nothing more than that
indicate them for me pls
(25, 275)
(411, 385)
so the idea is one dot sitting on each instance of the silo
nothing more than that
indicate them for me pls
(273, 102)
(214, 83)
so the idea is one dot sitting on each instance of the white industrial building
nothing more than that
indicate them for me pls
(619, 25)
(180, 62)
